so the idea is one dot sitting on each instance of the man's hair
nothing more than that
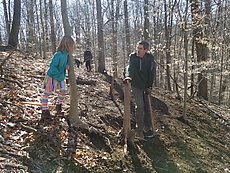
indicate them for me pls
(144, 43)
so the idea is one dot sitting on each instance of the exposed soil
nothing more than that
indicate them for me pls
(199, 145)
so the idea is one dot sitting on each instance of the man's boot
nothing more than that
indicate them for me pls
(59, 109)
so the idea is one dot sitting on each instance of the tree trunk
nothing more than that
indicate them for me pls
(101, 53)
(193, 68)
(39, 32)
(73, 116)
(6, 18)
(168, 41)
(43, 39)
(53, 36)
(185, 29)
(30, 26)
(127, 32)
(146, 21)
(46, 34)
(220, 98)
(13, 38)
(201, 49)
(0, 38)
(114, 29)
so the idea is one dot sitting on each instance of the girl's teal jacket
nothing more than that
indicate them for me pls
(57, 68)
(141, 70)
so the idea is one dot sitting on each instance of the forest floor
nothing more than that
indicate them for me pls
(199, 145)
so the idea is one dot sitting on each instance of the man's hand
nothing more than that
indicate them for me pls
(148, 90)
(125, 80)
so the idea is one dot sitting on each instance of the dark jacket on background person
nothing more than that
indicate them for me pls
(87, 55)
(141, 70)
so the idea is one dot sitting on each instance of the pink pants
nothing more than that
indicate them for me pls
(51, 85)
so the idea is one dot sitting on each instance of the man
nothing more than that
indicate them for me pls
(87, 59)
(141, 72)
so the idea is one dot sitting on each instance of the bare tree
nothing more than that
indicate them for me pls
(201, 47)
(101, 53)
(127, 30)
(146, 20)
(1, 42)
(114, 31)
(13, 38)
(168, 37)
(53, 36)
(7, 18)
(43, 35)
(30, 26)
(73, 116)
(185, 30)
(46, 26)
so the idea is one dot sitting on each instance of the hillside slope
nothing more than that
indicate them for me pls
(200, 144)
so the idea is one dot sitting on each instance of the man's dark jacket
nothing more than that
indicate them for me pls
(87, 55)
(141, 70)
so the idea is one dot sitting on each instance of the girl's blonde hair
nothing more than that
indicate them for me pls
(66, 44)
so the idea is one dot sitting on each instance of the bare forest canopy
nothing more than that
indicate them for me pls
(189, 39)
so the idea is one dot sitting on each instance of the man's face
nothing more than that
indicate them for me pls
(141, 51)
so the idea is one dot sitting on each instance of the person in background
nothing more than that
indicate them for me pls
(87, 59)
(77, 62)
(55, 75)
(141, 72)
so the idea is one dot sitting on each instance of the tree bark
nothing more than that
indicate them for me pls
(146, 21)
(53, 36)
(46, 34)
(73, 116)
(185, 30)
(6, 18)
(114, 30)
(201, 49)
(127, 32)
(30, 26)
(13, 38)
(101, 53)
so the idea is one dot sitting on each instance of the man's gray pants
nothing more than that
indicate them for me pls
(142, 113)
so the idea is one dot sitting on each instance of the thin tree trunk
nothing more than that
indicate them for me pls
(13, 38)
(43, 40)
(114, 29)
(186, 63)
(73, 116)
(146, 21)
(46, 34)
(1, 42)
(30, 26)
(168, 30)
(53, 36)
(39, 33)
(221, 79)
(201, 49)
(127, 32)
(193, 67)
(6, 18)
(101, 54)
(94, 35)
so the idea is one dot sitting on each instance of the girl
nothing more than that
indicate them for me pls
(55, 75)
